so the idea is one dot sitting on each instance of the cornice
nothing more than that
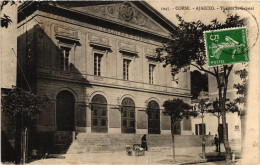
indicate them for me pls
(91, 83)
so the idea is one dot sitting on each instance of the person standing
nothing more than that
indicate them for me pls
(144, 143)
(216, 140)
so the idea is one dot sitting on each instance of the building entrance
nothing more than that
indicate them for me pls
(99, 114)
(153, 117)
(65, 111)
(128, 116)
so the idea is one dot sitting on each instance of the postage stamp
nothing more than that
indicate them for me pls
(226, 46)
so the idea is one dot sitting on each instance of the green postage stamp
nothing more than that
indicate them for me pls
(226, 46)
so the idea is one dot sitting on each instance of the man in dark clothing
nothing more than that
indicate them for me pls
(144, 143)
(216, 140)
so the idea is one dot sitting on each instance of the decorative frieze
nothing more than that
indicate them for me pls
(125, 34)
(127, 47)
(98, 40)
(66, 32)
(150, 53)
(123, 12)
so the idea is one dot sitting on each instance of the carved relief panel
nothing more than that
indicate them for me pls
(127, 47)
(122, 12)
(66, 32)
(150, 53)
(98, 40)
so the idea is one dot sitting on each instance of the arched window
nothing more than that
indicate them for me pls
(65, 111)
(153, 110)
(99, 114)
(128, 116)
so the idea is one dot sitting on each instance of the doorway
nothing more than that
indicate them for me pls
(65, 111)
(128, 116)
(153, 118)
(99, 114)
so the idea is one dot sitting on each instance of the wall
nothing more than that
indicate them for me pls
(211, 121)
(112, 67)
(84, 40)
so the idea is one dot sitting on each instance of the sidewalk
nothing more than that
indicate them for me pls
(190, 155)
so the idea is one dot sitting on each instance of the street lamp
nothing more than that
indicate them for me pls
(202, 107)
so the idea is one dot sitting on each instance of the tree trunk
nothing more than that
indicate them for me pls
(222, 106)
(224, 123)
(242, 119)
(173, 143)
(225, 140)
(18, 134)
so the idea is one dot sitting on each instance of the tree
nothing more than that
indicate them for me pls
(230, 106)
(177, 110)
(186, 47)
(22, 108)
(199, 82)
(5, 19)
(242, 92)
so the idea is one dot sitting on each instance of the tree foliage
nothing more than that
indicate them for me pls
(5, 19)
(242, 87)
(178, 109)
(18, 103)
(199, 82)
(231, 106)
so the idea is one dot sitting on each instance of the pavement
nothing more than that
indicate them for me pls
(188, 155)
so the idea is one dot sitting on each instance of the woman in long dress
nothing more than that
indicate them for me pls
(144, 143)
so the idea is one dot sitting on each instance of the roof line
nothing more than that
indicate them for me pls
(158, 14)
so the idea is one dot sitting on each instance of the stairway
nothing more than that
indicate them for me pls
(62, 141)
(99, 142)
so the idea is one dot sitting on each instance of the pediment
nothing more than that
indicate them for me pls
(123, 13)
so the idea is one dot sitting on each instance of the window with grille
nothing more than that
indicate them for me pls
(126, 64)
(151, 73)
(64, 58)
(97, 64)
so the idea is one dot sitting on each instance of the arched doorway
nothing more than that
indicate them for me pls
(65, 111)
(128, 116)
(99, 114)
(153, 110)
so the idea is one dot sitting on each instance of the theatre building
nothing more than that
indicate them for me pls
(96, 63)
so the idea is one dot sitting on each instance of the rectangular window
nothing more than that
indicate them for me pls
(97, 64)
(200, 129)
(126, 64)
(64, 58)
(151, 73)
(187, 124)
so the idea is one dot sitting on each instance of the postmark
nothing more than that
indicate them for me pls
(226, 46)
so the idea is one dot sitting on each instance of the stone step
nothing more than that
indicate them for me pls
(116, 142)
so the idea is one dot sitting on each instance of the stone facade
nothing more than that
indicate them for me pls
(81, 48)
